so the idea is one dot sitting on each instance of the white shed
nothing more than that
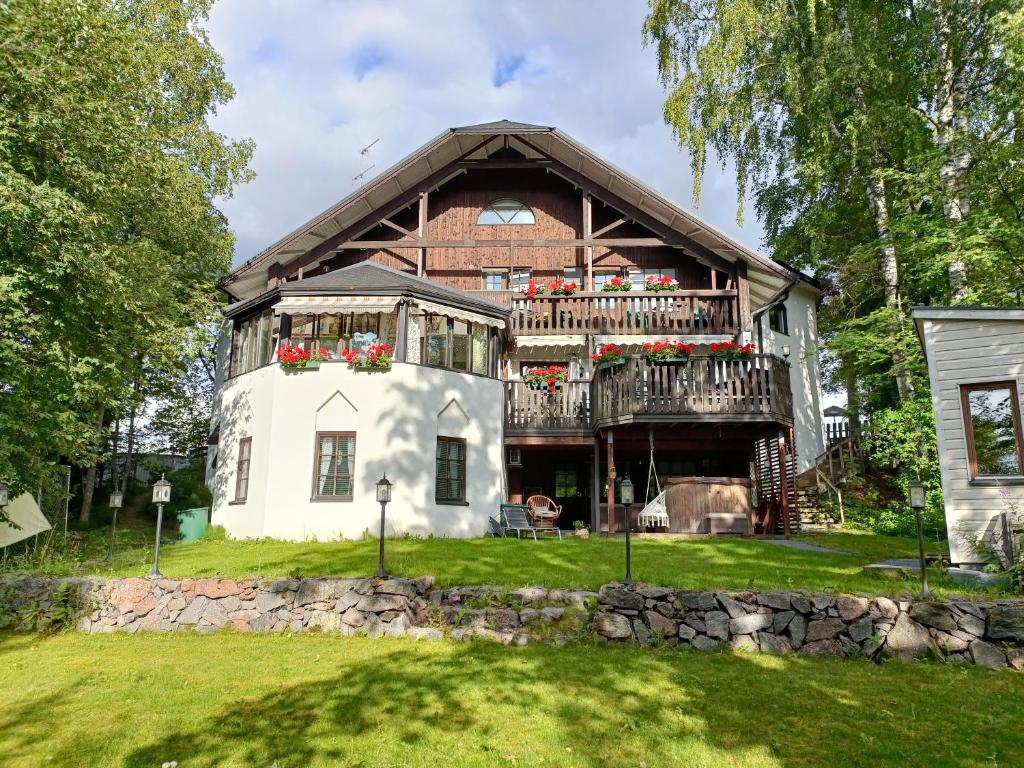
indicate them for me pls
(976, 369)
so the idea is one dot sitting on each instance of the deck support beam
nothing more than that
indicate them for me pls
(611, 481)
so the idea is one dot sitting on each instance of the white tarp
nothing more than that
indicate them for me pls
(25, 513)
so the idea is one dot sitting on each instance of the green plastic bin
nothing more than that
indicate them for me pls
(192, 524)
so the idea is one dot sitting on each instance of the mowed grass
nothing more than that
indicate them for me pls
(691, 564)
(136, 701)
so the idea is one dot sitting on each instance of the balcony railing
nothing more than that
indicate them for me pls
(675, 313)
(532, 410)
(700, 388)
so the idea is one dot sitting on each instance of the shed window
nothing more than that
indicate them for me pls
(450, 484)
(506, 211)
(992, 424)
(335, 466)
(494, 280)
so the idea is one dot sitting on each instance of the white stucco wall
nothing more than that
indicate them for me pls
(396, 417)
(969, 352)
(805, 370)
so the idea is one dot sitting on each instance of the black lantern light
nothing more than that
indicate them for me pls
(626, 494)
(383, 497)
(918, 501)
(161, 496)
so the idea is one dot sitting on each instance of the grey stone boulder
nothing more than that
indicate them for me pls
(861, 629)
(851, 608)
(381, 603)
(780, 601)
(744, 644)
(704, 643)
(970, 624)
(734, 608)
(533, 595)
(822, 648)
(266, 602)
(353, 617)
(824, 629)
(686, 632)
(502, 619)
(801, 604)
(935, 615)
(194, 611)
(886, 607)
(620, 597)
(314, 591)
(987, 655)
(552, 613)
(750, 623)
(423, 584)
(613, 626)
(215, 614)
(325, 621)
(781, 620)
(1006, 622)
(642, 633)
(398, 626)
(907, 640)
(776, 645)
(396, 587)
(659, 623)
(655, 593)
(949, 642)
(699, 601)
(797, 630)
(716, 624)
(263, 623)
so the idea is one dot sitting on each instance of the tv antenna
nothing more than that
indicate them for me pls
(366, 150)
(359, 176)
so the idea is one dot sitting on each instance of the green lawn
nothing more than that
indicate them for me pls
(696, 564)
(291, 702)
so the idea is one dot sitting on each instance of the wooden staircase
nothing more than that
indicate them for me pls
(841, 460)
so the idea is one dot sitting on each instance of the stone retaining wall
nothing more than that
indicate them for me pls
(808, 623)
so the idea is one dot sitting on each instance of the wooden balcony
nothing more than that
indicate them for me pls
(676, 313)
(532, 411)
(699, 389)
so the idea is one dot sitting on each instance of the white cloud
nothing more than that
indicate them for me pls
(317, 81)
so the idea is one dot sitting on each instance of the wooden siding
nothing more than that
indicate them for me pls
(558, 208)
(969, 352)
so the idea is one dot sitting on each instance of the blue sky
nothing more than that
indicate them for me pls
(319, 80)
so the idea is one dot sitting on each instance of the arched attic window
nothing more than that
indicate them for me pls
(506, 211)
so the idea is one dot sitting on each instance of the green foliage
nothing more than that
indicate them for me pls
(110, 243)
(188, 488)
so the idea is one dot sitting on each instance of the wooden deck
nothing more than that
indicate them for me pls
(676, 313)
(699, 389)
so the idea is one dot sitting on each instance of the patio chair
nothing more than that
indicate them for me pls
(543, 511)
(514, 518)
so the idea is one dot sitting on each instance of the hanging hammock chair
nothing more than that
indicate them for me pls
(654, 514)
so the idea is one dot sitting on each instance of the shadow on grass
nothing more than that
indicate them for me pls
(400, 703)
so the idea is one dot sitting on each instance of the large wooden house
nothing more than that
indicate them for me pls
(453, 258)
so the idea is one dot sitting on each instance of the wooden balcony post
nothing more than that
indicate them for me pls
(611, 482)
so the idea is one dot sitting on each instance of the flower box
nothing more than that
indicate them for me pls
(728, 350)
(659, 284)
(609, 364)
(298, 359)
(607, 355)
(667, 352)
(550, 378)
(617, 285)
(562, 288)
(375, 359)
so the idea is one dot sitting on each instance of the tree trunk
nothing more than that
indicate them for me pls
(89, 486)
(130, 453)
(956, 158)
(879, 203)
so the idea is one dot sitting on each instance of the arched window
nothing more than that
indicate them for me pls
(506, 211)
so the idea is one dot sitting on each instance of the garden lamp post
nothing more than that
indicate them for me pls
(383, 496)
(786, 352)
(161, 496)
(626, 495)
(5, 494)
(116, 501)
(917, 503)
